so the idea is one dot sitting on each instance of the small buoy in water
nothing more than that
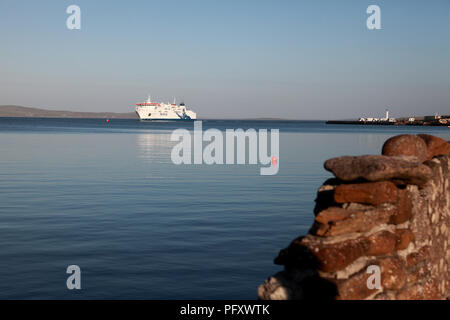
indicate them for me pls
(107, 120)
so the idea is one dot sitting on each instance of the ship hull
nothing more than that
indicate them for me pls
(172, 113)
(165, 119)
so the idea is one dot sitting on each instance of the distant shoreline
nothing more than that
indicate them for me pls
(13, 111)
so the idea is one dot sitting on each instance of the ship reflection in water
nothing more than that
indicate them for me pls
(154, 147)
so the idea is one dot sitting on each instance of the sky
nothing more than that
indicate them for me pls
(229, 59)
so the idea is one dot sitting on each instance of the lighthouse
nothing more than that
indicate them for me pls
(387, 115)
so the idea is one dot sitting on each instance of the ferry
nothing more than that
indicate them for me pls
(150, 110)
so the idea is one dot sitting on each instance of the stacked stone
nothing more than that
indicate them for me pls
(391, 211)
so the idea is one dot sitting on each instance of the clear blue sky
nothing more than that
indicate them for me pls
(290, 59)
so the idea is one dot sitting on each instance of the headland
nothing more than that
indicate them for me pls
(26, 112)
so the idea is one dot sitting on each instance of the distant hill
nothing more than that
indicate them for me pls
(25, 112)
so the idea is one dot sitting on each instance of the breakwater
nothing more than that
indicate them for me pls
(388, 212)
(443, 121)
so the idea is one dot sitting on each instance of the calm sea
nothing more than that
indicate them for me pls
(106, 197)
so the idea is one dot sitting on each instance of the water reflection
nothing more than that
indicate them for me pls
(154, 147)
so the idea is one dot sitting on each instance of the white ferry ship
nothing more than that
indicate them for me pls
(149, 110)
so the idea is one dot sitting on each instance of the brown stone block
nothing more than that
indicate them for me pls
(382, 243)
(355, 288)
(379, 168)
(418, 273)
(336, 256)
(435, 145)
(404, 238)
(332, 214)
(374, 193)
(414, 292)
(324, 198)
(404, 207)
(416, 257)
(337, 221)
(385, 296)
(393, 273)
(406, 145)
(393, 277)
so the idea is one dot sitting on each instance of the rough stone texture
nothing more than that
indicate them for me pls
(435, 146)
(418, 272)
(355, 288)
(406, 145)
(336, 221)
(334, 256)
(276, 288)
(393, 273)
(330, 257)
(418, 256)
(386, 211)
(382, 243)
(379, 168)
(414, 292)
(404, 238)
(374, 193)
(403, 208)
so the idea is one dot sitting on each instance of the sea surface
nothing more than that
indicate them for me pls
(107, 197)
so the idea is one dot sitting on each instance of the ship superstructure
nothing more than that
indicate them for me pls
(150, 110)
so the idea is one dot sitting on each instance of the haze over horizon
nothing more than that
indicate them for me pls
(229, 59)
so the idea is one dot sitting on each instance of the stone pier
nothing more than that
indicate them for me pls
(391, 211)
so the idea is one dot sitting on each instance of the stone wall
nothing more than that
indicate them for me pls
(391, 211)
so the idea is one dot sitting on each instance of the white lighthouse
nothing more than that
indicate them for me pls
(387, 115)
